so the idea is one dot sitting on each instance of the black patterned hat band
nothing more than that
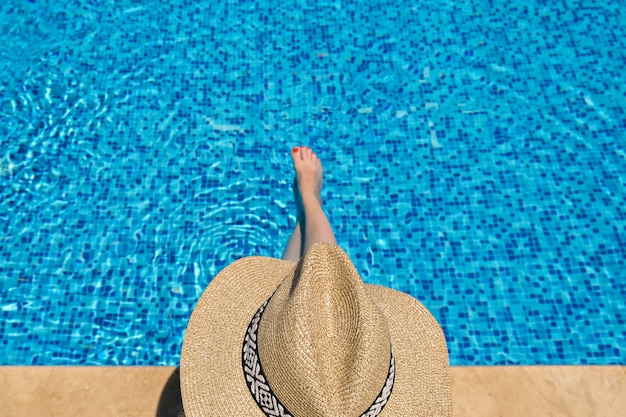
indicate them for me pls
(262, 392)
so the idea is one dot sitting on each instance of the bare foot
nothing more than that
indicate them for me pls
(313, 224)
(309, 178)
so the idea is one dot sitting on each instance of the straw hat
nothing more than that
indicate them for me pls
(272, 338)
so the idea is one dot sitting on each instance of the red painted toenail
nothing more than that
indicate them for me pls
(295, 149)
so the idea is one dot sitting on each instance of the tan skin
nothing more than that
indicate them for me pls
(312, 224)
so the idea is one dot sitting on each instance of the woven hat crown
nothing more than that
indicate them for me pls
(323, 343)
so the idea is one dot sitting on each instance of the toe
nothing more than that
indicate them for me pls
(296, 153)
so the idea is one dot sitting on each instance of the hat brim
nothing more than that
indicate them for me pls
(211, 376)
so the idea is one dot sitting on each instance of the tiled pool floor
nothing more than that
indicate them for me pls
(474, 156)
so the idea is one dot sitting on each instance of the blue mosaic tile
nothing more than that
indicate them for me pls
(474, 158)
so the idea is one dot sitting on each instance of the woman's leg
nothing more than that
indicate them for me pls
(294, 245)
(313, 225)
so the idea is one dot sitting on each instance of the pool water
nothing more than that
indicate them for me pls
(474, 156)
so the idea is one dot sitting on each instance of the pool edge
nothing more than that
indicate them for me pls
(152, 391)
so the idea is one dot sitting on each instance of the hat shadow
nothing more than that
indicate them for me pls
(171, 401)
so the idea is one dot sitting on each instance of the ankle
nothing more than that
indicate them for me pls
(311, 201)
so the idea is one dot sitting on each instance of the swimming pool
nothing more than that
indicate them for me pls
(474, 158)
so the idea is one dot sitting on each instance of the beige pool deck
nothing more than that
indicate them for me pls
(512, 391)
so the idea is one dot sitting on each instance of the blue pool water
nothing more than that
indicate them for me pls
(474, 155)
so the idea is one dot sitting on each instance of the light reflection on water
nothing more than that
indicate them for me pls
(142, 149)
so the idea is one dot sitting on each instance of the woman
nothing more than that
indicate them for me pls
(303, 336)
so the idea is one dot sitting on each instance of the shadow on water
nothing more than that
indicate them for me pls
(171, 401)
